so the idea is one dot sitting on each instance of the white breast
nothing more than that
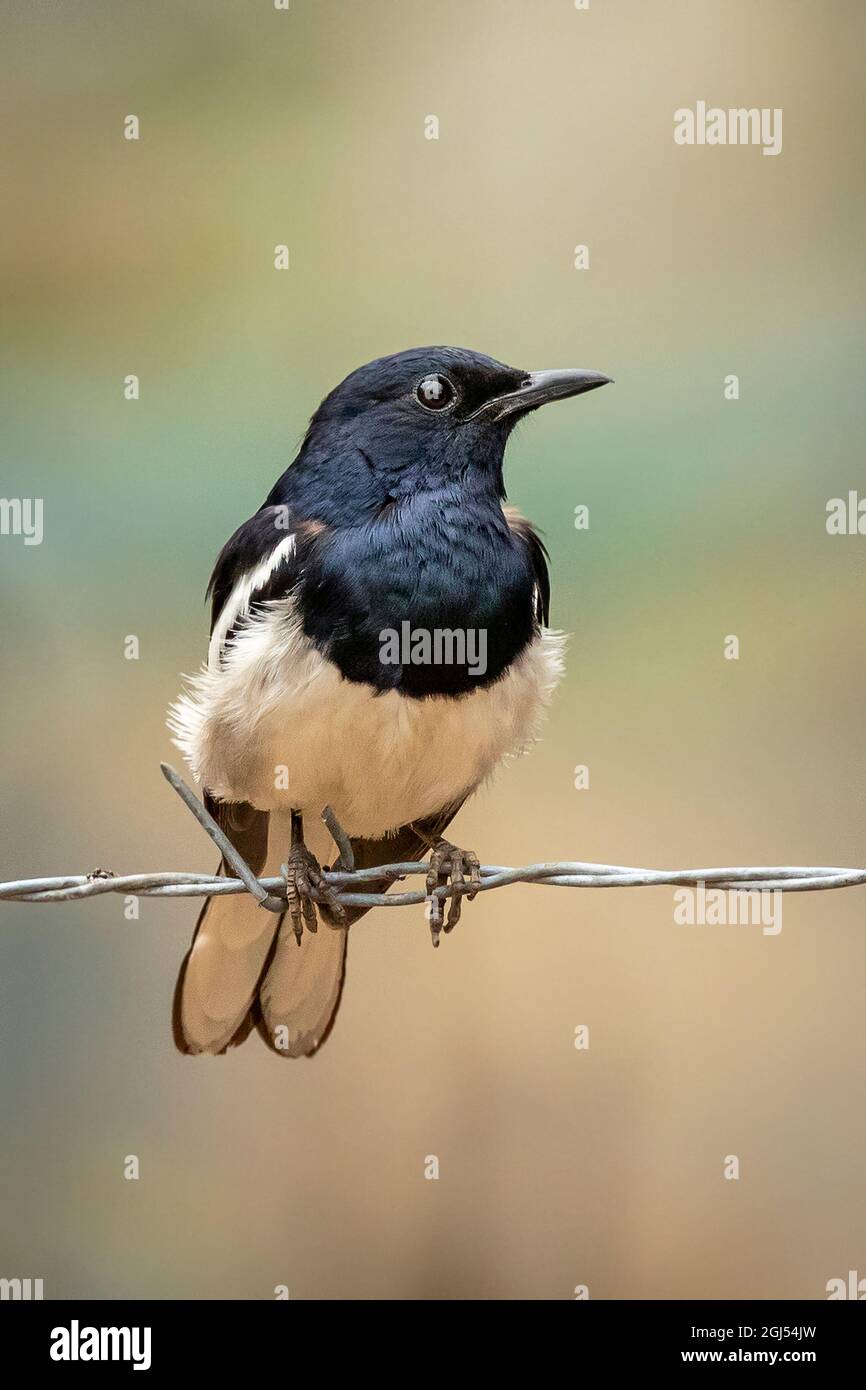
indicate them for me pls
(277, 725)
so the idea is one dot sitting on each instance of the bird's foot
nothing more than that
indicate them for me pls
(303, 874)
(449, 862)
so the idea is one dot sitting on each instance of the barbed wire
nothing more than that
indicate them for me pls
(344, 877)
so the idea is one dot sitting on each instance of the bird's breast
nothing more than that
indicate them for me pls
(278, 726)
(436, 605)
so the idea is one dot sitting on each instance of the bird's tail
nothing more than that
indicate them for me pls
(244, 966)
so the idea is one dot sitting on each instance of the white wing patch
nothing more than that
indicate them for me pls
(238, 601)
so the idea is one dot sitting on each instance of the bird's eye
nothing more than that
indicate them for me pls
(435, 392)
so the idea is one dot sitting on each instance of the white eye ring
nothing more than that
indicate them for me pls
(436, 392)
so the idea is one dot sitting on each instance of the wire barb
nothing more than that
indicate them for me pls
(222, 842)
(346, 861)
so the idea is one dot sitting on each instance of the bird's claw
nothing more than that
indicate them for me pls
(303, 875)
(449, 862)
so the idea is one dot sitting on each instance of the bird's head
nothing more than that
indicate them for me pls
(429, 416)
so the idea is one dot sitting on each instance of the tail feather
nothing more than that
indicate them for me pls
(217, 985)
(244, 967)
(301, 991)
(216, 988)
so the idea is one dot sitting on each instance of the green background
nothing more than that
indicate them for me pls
(558, 1167)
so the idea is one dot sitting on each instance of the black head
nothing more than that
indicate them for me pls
(431, 416)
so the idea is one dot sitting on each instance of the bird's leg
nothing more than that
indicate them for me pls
(447, 861)
(303, 873)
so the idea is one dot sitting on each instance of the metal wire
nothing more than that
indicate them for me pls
(350, 882)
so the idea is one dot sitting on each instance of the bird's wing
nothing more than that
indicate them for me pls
(260, 562)
(216, 999)
(527, 536)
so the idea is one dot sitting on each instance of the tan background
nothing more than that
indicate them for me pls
(558, 1167)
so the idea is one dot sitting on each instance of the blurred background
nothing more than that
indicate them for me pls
(558, 1167)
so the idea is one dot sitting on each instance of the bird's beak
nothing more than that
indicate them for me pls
(537, 388)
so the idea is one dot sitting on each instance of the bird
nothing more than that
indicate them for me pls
(379, 644)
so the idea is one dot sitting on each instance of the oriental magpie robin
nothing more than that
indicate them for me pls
(340, 671)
